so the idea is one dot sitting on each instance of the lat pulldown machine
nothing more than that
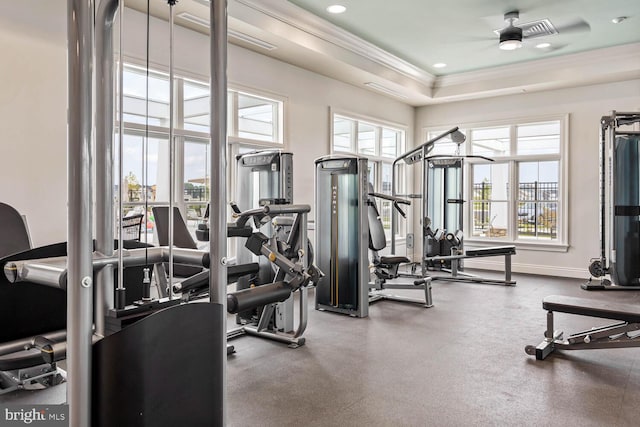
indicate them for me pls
(619, 205)
(442, 213)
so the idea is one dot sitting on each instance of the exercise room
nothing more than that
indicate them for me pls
(320, 213)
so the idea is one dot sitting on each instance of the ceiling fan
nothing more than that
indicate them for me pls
(512, 36)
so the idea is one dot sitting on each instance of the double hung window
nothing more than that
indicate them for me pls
(519, 196)
(381, 144)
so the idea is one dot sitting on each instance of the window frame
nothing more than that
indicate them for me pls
(182, 135)
(561, 244)
(376, 159)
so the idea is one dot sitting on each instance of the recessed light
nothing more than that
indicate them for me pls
(336, 8)
(619, 19)
(439, 65)
(543, 45)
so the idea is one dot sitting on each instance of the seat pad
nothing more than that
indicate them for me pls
(393, 259)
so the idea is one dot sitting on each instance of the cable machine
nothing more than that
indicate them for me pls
(619, 205)
(107, 374)
(442, 213)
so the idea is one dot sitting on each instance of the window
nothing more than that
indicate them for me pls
(379, 143)
(518, 196)
(255, 120)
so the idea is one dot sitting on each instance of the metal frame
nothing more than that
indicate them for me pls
(617, 335)
(80, 319)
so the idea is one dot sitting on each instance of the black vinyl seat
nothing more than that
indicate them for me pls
(386, 267)
(394, 259)
(14, 236)
(181, 237)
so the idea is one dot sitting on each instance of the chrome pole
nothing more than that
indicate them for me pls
(120, 290)
(79, 222)
(172, 166)
(103, 294)
(218, 194)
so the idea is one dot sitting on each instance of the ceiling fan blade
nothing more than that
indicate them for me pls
(576, 26)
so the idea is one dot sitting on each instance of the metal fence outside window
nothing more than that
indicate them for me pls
(537, 209)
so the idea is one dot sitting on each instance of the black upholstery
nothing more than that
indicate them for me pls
(14, 237)
(181, 237)
(495, 250)
(377, 238)
(394, 259)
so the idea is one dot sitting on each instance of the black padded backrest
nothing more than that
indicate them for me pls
(377, 238)
(181, 236)
(14, 237)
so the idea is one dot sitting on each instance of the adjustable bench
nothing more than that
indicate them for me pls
(505, 251)
(625, 333)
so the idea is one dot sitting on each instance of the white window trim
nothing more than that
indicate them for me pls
(282, 122)
(562, 244)
(372, 121)
(377, 159)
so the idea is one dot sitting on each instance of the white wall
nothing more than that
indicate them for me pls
(33, 102)
(585, 106)
(33, 93)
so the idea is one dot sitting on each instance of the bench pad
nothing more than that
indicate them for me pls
(592, 308)
(492, 251)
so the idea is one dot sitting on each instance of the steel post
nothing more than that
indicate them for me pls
(103, 294)
(79, 220)
(218, 194)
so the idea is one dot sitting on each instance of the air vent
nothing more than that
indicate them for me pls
(540, 28)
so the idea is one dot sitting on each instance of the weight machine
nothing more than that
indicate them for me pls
(619, 205)
(348, 225)
(442, 213)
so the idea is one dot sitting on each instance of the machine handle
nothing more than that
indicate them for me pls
(399, 209)
(391, 198)
(272, 210)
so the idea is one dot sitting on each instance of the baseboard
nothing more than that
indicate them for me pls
(542, 270)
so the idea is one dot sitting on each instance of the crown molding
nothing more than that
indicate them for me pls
(302, 20)
(596, 66)
(628, 54)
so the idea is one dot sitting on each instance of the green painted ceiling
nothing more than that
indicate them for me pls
(460, 32)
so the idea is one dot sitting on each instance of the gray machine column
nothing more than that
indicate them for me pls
(80, 33)
(342, 235)
(218, 217)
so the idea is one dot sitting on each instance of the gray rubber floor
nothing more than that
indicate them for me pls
(460, 363)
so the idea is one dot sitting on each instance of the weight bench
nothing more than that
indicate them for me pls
(625, 333)
(456, 275)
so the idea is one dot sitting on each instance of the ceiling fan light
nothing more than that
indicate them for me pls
(510, 44)
(511, 38)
